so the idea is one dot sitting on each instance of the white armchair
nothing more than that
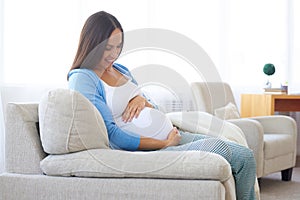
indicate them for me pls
(272, 138)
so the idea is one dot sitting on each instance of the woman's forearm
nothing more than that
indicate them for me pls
(152, 144)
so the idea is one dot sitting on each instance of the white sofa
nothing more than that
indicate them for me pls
(104, 173)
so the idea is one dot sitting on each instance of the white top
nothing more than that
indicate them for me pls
(150, 122)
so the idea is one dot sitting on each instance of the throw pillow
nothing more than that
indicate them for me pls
(208, 124)
(69, 122)
(229, 111)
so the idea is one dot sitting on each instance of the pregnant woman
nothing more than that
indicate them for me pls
(132, 120)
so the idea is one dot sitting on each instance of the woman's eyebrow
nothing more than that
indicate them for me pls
(111, 45)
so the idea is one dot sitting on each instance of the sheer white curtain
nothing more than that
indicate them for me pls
(257, 34)
(1, 83)
(294, 42)
(240, 37)
(40, 39)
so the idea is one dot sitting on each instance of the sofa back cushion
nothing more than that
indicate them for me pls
(69, 122)
(208, 96)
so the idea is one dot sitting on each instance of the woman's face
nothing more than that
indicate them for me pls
(112, 49)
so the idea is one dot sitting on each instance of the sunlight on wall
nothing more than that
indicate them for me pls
(1, 80)
(41, 37)
(39, 43)
(294, 84)
(161, 58)
(41, 40)
(257, 35)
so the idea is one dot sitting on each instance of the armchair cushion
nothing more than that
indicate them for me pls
(69, 123)
(273, 142)
(155, 164)
(227, 112)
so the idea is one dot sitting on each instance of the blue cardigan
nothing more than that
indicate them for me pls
(89, 84)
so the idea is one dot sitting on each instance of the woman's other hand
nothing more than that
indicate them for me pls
(134, 108)
(153, 144)
(173, 138)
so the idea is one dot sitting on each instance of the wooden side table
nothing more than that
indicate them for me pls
(267, 104)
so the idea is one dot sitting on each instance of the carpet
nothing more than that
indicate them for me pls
(272, 188)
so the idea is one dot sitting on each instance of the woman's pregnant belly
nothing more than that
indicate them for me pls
(150, 123)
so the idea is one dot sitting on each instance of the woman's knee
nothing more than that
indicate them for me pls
(244, 156)
(218, 146)
(249, 156)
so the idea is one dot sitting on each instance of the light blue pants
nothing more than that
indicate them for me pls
(241, 159)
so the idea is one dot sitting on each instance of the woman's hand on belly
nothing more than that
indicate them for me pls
(134, 107)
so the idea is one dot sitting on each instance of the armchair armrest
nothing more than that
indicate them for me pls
(279, 128)
(277, 124)
(253, 131)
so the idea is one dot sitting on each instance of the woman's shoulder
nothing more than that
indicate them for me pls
(80, 71)
(86, 81)
(83, 73)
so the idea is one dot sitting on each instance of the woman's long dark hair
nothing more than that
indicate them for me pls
(93, 39)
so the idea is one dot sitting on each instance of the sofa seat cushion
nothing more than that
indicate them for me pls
(69, 122)
(277, 145)
(154, 164)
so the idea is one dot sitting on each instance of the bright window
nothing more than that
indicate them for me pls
(40, 37)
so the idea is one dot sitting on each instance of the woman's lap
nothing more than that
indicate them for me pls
(240, 158)
(200, 142)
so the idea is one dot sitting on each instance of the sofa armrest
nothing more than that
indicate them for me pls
(23, 149)
(277, 124)
(153, 164)
(254, 135)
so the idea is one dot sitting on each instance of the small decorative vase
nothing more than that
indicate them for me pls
(268, 84)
